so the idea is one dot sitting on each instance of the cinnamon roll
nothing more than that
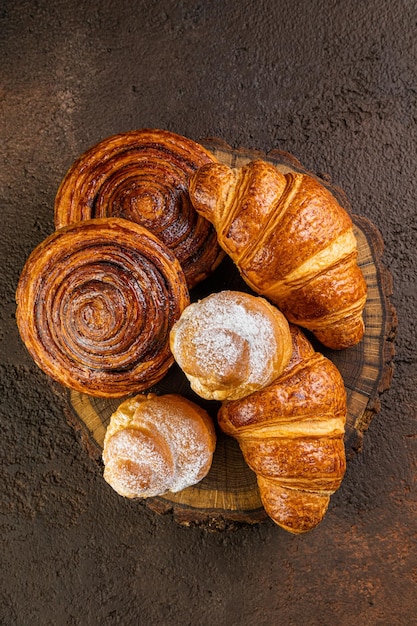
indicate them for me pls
(143, 175)
(95, 304)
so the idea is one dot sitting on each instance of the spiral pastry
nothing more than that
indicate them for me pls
(143, 176)
(95, 304)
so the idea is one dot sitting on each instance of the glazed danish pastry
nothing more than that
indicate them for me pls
(95, 304)
(231, 343)
(156, 444)
(142, 175)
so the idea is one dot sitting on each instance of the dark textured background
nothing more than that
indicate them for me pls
(335, 84)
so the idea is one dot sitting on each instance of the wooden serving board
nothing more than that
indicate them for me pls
(229, 495)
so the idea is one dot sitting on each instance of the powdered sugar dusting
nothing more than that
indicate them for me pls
(158, 445)
(137, 465)
(188, 439)
(220, 347)
(211, 327)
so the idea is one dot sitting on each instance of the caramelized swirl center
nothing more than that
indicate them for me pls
(101, 297)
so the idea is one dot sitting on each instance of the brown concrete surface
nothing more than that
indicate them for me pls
(335, 83)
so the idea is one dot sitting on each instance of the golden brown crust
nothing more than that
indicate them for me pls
(96, 302)
(295, 511)
(142, 175)
(230, 344)
(306, 464)
(155, 444)
(238, 205)
(291, 435)
(291, 241)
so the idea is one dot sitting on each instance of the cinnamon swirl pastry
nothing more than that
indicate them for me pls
(95, 304)
(143, 175)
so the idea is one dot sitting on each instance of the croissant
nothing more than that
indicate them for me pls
(96, 301)
(155, 444)
(142, 175)
(292, 243)
(231, 343)
(291, 434)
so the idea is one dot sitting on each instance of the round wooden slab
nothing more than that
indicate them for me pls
(229, 495)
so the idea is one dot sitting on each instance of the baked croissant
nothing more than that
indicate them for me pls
(231, 343)
(142, 175)
(291, 241)
(155, 444)
(291, 435)
(95, 304)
